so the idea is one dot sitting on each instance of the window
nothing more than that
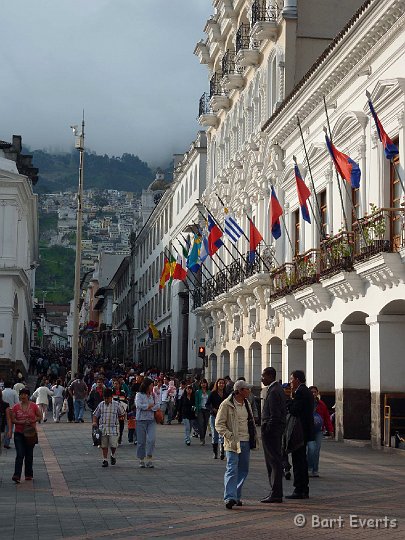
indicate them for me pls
(355, 204)
(395, 202)
(324, 214)
(296, 232)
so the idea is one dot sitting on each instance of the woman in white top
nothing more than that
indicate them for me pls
(41, 395)
(57, 400)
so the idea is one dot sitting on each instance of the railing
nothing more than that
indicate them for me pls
(306, 269)
(262, 10)
(228, 63)
(242, 37)
(204, 105)
(215, 85)
(336, 254)
(382, 231)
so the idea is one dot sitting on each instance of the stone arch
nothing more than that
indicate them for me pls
(295, 357)
(274, 356)
(255, 364)
(212, 367)
(225, 364)
(238, 363)
(347, 124)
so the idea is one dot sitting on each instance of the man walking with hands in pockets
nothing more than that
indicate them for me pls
(273, 425)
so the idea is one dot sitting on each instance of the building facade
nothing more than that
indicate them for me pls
(18, 254)
(329, 297)
(164, 234)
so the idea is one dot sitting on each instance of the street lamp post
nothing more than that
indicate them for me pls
(79, 144)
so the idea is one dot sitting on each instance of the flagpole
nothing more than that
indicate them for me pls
(288, 236)
(336, 171)
(216, 253)
(244, 234)
(202, 264)
(312, 208)
(311, 178)
(194, 283)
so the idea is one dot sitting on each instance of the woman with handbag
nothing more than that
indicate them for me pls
(146, 405)
(24, 416)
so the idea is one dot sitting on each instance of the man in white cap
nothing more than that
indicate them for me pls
(235, 423)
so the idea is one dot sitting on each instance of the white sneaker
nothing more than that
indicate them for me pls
(142, 464)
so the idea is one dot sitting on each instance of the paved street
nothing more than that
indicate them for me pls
(73, 497)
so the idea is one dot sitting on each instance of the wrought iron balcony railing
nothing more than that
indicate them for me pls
(215, 85)
(204, 105)
(264, 10)
(383, 231)
(228, 63)
(336, 254)
(242, 37)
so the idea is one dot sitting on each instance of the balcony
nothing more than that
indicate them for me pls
(340, 268)
(219, 100)
(245, 55)
(232, 78)
(202, 52)
(206, 115)
(264, 20)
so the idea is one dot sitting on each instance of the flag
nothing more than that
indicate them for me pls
(172, 266)
(346, 167)
(232, 229)
(186, 248)
(254, 240)
(204, 251)
(303, 194)
(390, 149)
(193, 259)
(179, 272)
(153, 331)
(165, 275)
(214, 236)
(275, 213)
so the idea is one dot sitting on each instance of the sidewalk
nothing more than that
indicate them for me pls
(73, 497)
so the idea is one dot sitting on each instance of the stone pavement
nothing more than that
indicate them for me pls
(72, 497)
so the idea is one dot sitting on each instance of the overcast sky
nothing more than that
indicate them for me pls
(128, 63)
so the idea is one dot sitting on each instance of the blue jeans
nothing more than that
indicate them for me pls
(216, 438)
(237, 468)
(146, 436)
(79, 409)
(25, 453)
(187, 429)
(313, 450)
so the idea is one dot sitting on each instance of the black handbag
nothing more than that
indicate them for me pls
(30, 436)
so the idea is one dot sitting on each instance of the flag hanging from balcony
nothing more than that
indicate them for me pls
(303, 194)
(214, 236)
(153, 331)
(390, 149)
(275, 213)
(204, 250)
(345, 166)
(165, 275)
(186, 248)
(232, 228)
(254, 240)
(193, 259)
(179, 272)
(172, 266)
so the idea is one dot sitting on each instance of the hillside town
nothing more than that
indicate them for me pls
(273, 261)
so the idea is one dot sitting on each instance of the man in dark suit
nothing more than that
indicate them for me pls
(302, 407)
(273, 425)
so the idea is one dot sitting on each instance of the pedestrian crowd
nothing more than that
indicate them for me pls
(293, 419)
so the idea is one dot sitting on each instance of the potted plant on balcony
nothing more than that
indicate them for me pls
(372, 231)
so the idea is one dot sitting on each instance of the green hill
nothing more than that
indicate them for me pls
(55, 274)
(59, 172)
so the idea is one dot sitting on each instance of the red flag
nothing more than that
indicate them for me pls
(254, 240)
(179, 272)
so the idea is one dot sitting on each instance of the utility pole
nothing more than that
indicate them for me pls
(79, 145)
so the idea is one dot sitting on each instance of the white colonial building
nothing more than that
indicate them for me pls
(18, 254)
(164, 233)
(328, 298)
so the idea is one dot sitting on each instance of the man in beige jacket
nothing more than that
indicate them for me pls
(235, 423)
